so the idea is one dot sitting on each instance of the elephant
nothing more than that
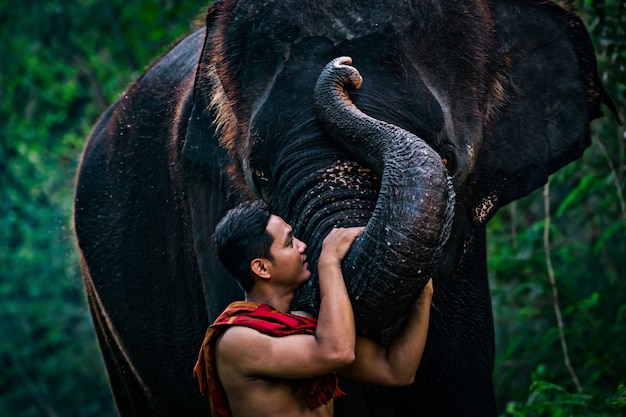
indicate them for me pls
(417, 120)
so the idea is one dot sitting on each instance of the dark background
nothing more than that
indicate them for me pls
(62, 63)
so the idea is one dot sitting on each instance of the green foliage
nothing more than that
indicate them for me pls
(61, 65)
(547, 399)
(618, 401)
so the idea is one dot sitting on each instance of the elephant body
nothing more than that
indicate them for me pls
(463, 107)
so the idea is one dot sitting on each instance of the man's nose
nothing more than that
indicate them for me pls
(301, 244)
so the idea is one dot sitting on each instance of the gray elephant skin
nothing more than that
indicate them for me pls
(429, 118)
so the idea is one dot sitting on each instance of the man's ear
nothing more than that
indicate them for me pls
(259, 267)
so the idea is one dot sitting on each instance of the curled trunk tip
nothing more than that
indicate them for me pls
(344, 73)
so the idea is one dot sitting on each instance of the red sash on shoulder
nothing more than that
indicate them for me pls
(262, 318)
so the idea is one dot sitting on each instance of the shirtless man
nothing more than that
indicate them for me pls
(256, 374)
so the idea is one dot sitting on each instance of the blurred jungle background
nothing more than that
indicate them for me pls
(63, 62)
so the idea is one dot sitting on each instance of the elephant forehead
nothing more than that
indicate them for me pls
(393, 90)
(341, 20)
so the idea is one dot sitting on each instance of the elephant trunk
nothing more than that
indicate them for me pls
(391, 261)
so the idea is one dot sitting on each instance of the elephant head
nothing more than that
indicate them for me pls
(443, 113)
(464, 93)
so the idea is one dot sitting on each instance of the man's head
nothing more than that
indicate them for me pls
(242, 236)
(252, 242)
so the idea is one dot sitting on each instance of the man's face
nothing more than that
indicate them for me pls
(289, 266)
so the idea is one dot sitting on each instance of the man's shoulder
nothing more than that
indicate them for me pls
(236, 332)
(234, 339)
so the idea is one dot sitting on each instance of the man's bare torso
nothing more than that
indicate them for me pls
(258, 396)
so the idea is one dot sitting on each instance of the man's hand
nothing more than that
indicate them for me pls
(337, 243)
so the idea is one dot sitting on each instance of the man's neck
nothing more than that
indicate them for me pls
(279, 302)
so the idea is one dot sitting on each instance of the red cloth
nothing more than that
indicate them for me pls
(262, 318)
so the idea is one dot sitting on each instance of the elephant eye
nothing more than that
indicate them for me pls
(447, 157)
(449, 163)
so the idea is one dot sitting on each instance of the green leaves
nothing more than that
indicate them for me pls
(547, 399)
(61, 65)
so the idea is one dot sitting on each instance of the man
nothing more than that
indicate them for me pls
(259, 360)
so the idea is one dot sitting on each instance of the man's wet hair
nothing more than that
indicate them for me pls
(242, 236)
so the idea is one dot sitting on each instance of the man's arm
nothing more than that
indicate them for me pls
(397, 364)
(335, 321)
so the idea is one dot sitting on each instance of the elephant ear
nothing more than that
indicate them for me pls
(202, 140)
(550, 92)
